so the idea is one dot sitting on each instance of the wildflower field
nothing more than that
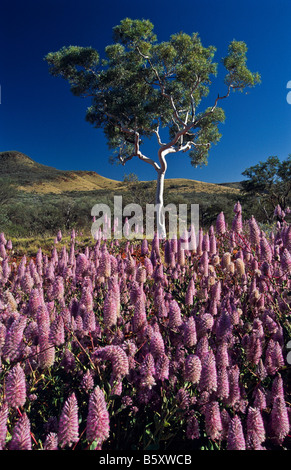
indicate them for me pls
(144, 345)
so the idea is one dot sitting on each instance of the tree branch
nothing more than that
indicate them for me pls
(143, 157)
(137, 152)
(162, 86)
(156, 131)
(222, 97)
(123, 160)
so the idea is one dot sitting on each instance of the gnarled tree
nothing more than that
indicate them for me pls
(144, 88)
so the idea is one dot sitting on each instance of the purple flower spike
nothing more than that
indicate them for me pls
(213, 424)
(147, 371)
(220, 223)
(193, 368)
(237, 223)
(208, 379)
(174, 315)
(68, 425)
(14, 338)
(162, 367)
(139, 317)
(189, 332)
(279, 419)
(255, 429)
(110, 310)
(118, 358)
(157, 346)
(192, 431)
(21, 438)
(15, 390)
(222, 383)
(266, 252)
(235, 438)
(3, 424)
(286, 261)
(98, 423)
(51, 441)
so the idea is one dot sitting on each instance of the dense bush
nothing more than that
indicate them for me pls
(139, 345)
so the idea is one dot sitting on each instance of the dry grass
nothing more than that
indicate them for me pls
(187, 185)
(74, 181)
(32, 177)
(90, 181)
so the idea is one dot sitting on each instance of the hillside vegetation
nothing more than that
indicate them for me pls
(45, 199)
(30, 176)
(33, 177)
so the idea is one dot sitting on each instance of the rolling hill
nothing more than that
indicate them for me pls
(32, 177)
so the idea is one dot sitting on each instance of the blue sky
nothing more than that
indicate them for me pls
(41, 118)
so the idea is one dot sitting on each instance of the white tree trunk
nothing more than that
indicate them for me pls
(161, 226)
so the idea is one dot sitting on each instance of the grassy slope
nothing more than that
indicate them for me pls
(32, 177)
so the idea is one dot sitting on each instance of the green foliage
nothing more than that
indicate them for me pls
(43, 214)
(137, 192)
(130, 178)
(239, 77)
(209, 209)
(7, 192)
(18, 169)
(207, 132)
(142, 84)
(77, 65)
(268, 184)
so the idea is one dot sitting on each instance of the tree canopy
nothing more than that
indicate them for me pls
(142, 85)
(269, 183)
